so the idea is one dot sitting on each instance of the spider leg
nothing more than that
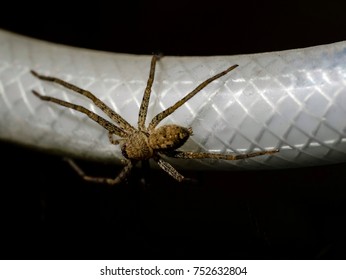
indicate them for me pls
(195, 155)
(101, 121)
(108, 111)
(109, 181)
(112, 140)
(169, 169)
(145, 101)
(159, 117)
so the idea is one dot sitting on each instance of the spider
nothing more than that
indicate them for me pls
(143, 143)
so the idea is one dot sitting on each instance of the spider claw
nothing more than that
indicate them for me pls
(35, 74)
(37, 94)
(39, 76)
(231, 68)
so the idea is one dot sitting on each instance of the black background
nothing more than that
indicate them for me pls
(49, 212)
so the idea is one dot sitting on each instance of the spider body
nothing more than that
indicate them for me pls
(143, 143)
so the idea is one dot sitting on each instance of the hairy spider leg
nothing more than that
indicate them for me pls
(146, 96)
(196, 155)
(159, 117)
(110, 181)
(108, 111)
(101, 121)
(169, 168)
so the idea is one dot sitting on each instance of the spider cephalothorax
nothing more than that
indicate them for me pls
(143, 143)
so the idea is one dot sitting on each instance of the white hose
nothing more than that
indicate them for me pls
(292, 100)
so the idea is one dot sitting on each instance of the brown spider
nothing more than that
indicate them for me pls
(145, 142)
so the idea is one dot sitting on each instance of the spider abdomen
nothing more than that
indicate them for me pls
(169, 137)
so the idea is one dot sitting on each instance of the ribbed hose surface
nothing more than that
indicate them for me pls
(292, 100)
